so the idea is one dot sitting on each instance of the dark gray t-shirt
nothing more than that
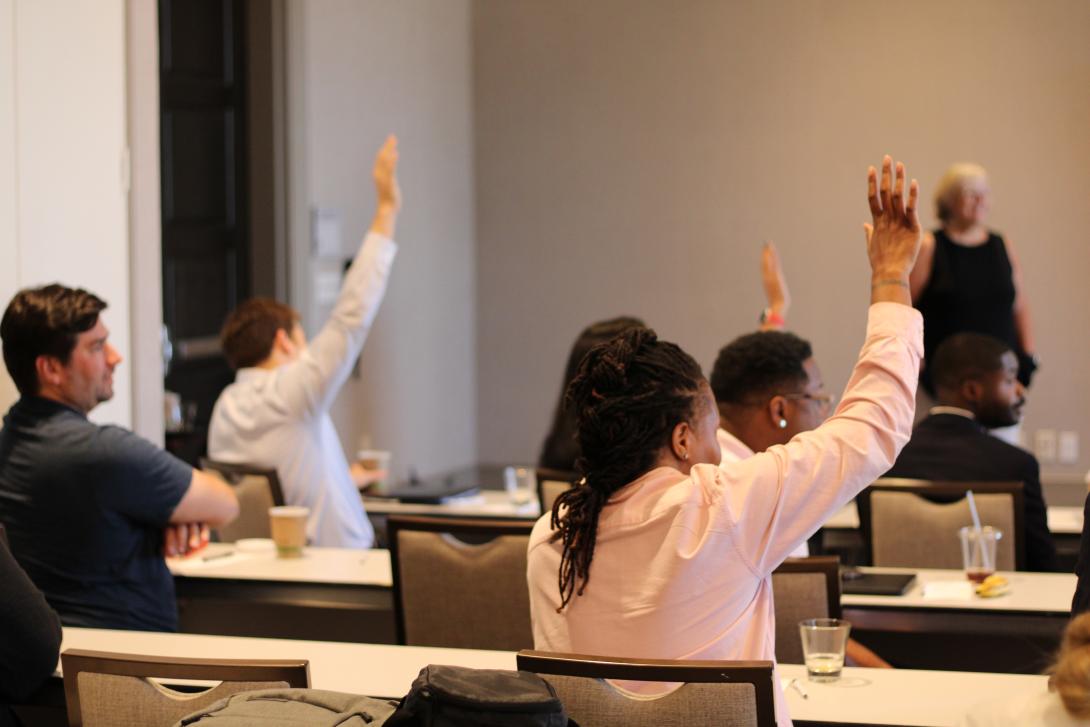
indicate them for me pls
(85, 507)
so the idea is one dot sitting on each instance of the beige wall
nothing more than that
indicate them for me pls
(356, 71)
(63, 186)
(632, 155)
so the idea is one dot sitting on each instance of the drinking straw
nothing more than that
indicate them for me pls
(979, 530)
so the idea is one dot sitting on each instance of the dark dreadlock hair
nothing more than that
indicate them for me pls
(628, 395)
(561, 449)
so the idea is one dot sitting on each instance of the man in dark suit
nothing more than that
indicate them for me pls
(976, 383)
(1081, 601)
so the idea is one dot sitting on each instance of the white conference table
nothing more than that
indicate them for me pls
(483, 503)
(345, 595)
(335, 594)
(862, 696)
(1037, 593)
(1062, 519)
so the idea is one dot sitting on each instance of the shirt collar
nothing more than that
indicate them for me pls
(955, 410)
(252, 372)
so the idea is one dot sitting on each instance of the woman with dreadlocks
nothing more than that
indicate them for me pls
(662, 553)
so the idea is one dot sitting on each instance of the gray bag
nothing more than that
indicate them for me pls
(302, 707)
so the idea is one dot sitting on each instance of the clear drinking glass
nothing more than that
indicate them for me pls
(823, 643)
(520, 483)
(978, 551)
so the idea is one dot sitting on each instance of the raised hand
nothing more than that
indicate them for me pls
(893, 237)
(387, 189)
(775, 284)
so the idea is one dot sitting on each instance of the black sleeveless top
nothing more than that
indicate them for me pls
(971, 290)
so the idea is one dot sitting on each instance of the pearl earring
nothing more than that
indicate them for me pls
(783, 424)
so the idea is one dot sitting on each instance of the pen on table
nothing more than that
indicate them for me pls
(216, 556)
(794, 684)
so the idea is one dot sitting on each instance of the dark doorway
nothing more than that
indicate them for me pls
(208, 118)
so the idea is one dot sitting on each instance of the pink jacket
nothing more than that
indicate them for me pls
(682, 564)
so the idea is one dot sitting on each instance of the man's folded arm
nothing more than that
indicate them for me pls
(208, 500)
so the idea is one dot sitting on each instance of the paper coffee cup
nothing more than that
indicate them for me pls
(376, 459)
(289, 529)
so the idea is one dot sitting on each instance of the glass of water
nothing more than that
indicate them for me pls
(823, 643)
(520, 483)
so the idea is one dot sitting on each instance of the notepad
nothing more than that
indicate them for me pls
(948, 590)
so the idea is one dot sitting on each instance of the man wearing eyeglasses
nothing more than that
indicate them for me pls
(768, 389)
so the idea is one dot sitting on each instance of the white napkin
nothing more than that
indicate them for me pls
(948, 590)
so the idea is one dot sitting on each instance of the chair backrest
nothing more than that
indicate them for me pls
(104, 689)
(724, 693)
(257, 490)
(550, 483)
(914, 523)
(803, 588)
(460, 582)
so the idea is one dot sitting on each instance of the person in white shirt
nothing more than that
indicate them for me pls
(1066, 701)
(276, 413)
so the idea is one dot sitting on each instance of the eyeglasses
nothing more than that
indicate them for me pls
(823, 400)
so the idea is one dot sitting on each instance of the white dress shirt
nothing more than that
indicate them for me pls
(279, 418)
(732, 450)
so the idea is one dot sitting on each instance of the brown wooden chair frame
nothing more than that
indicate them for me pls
(476, 530)
(547, 473)
(296, 672)
(757, 673)
(232, 473)
(946, 489)
(827, 565)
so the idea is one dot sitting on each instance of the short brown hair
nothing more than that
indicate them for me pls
(248, 333)
(44, 322)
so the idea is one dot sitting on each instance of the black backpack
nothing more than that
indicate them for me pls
(454, 696)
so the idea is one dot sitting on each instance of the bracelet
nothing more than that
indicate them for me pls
(889, 281)
(772, 318)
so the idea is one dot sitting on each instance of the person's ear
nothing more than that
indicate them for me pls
(972, 391)
(777, 412)
(283, 342)
(50, 370)
(681, 441)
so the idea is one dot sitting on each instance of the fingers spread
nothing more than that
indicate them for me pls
(913, 199)
(872, 192)
(887, 182)
(898, 208)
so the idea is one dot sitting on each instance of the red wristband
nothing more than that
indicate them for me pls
(772, 318)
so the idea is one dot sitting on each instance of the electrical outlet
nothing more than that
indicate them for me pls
(1069, 447)
(1044, 445)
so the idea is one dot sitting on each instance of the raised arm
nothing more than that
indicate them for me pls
(778, 498)
(310, 383)
(776, 292)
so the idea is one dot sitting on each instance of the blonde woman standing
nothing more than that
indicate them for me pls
(967, 277)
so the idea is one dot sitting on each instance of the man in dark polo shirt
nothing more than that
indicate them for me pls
(90, 510)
